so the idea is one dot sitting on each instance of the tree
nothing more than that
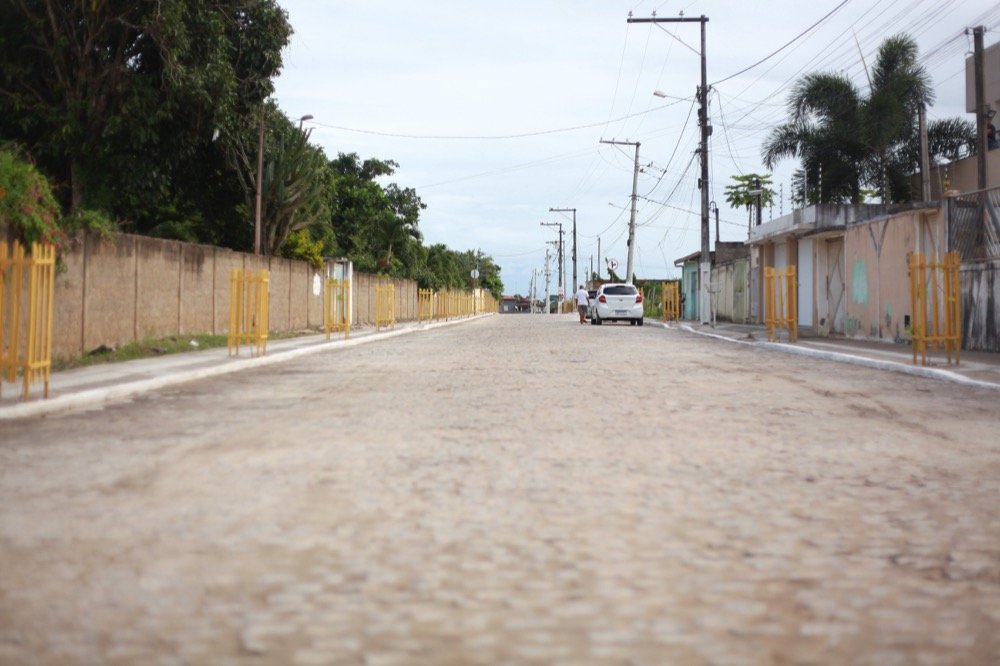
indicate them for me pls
(117, 98)
(378, 227)
(823, 132)
(747, 191)
(296, 179)
(846, 140)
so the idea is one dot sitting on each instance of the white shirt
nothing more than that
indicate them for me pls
(582, 297)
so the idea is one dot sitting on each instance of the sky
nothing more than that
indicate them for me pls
(495, 111)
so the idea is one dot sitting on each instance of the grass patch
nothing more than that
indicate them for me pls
(156, 347)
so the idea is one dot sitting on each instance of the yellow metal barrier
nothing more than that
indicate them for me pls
(31, 354)
(425, 305)
(781, 297)
(446, 305)
(670, 301)
(941, 280)
(337, 307)
(248, 310)
(385, 305)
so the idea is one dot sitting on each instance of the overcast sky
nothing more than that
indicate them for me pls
(495, 110)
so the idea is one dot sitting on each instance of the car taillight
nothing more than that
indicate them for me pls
(638, 298)
(601, 299)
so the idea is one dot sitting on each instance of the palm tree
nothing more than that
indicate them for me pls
(847, 140)
(825, 112)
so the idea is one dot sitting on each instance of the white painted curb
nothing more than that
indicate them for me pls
(892, 366)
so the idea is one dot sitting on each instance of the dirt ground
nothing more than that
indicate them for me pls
(516, 489)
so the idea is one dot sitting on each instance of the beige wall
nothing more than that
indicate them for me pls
(127, 288)
(962, 175)
(877, 280)
(731, 290)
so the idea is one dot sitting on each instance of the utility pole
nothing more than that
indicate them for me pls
(547, 274)
(635, 195)
(567, 210)
(705, 265)
(981, 118)
(925, 166)
(559, 249)
(260, 177)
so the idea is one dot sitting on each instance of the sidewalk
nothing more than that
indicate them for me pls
(111, 381)
(975, 368)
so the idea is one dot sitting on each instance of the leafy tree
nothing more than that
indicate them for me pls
(745, 191)
(846, 140)
(377, 226)
(119, 99)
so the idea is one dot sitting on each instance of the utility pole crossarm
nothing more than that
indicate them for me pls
(673, 19)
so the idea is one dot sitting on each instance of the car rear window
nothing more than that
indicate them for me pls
(620, 290)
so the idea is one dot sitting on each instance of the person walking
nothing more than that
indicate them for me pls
(582, 301)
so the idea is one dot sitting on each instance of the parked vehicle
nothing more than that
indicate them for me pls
(617, 302)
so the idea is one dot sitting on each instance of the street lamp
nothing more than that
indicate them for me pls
(303, 119)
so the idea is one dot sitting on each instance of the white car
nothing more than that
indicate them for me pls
(617, 302)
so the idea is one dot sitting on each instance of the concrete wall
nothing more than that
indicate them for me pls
(731, 291)
(128, 288)
(877, 273)
(961, 175)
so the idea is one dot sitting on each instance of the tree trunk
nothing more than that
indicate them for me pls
(76, 187)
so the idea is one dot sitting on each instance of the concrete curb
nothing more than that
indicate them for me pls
(891, 366)
(91, 397)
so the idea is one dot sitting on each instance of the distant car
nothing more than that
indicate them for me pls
(617, 302)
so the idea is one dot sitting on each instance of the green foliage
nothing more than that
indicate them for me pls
(149, 112)
(118, 99)
(301, 246)
(846, 140)
(89, 220)
(27, 206)
(743, 193)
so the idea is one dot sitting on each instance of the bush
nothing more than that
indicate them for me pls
(300, 245)
(27, 206)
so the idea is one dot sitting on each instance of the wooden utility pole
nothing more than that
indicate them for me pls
(705, 265)
(567, 210)
(635, 195)
(260, 178)
(981, 119)
(925, 165)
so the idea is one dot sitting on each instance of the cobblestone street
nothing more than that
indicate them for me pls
(514, 489)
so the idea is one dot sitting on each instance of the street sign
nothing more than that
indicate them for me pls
(612, 264)
(474, 273)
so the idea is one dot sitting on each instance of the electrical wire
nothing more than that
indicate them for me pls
(785, 46)
(493, 137)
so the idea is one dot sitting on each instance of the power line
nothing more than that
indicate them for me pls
(786, 45)
(494, 137)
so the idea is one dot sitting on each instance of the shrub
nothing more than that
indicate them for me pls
(300, 245)
(27, 206)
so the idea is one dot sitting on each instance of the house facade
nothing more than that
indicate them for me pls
(852, 261)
